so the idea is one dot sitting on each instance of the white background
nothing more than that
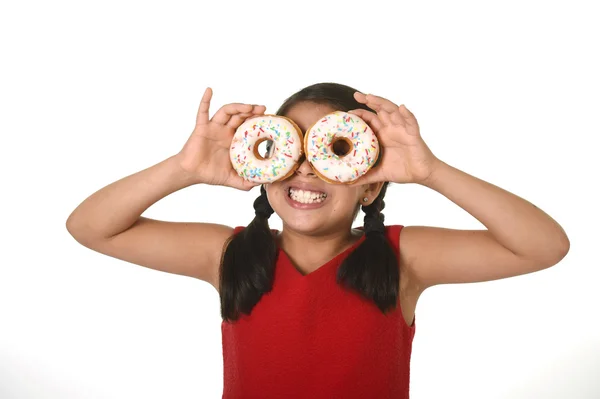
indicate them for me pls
(91, 92)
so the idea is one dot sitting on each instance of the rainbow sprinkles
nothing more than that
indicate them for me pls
(287, 148)
(340, 125)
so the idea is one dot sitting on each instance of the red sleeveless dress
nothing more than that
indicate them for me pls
(310, 338)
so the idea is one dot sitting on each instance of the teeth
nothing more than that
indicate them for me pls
(307, 197)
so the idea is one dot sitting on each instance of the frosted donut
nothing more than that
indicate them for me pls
(341, 129)
(284, 153)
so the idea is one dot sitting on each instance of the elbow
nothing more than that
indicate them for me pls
(73, 230)
(71, 225)
(549, 255)
(563, 245)
(557, 252)
(563, 248)
(77, 230)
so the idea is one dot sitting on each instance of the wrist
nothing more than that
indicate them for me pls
(437, 169)
(181, 173)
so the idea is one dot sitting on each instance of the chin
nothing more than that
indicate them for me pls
(305, 225)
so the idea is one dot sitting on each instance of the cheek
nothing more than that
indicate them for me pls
(343, 204)
(274, 194)
(346, 196)
(346, 201)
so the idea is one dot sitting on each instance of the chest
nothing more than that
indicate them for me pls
(319, 336)
(304, 271)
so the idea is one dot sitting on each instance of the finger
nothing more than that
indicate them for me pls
(369, 117)
(247, 185)
(259, 109)
(360, 181)
(362, 98)
(224, 113)
(202, 115)
(396, 118)
(240, 183)
(371, 176)
(236, 120)
(384, 116)
(380, 103)
(408, 116)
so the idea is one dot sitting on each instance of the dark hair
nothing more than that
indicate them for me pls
(248, 262)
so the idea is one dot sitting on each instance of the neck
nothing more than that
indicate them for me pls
(318, 245)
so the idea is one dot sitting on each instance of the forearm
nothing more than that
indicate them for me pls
(116, 207)
(516, 223)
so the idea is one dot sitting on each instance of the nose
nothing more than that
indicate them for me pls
(305, 169)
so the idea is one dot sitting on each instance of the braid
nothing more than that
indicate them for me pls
(262, 207)
(372, 269)
(373, 222)
(248, 264)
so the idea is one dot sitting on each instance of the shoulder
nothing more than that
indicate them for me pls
(412, 242)
(408, 244)
(393, 233)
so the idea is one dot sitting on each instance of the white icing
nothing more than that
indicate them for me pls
(357, 162)
(286, 149)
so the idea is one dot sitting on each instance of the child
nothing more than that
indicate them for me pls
(319, 309)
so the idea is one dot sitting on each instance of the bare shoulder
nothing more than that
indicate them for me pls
(410, 288)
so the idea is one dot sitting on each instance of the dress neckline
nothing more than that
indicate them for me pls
(330, 263)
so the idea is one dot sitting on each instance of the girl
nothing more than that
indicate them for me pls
(319, 309)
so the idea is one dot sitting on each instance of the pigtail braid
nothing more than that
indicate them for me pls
(372, 269)
(248, 263)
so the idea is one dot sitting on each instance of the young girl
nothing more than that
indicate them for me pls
(319, 310)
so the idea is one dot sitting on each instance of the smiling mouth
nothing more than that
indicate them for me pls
(305, 196)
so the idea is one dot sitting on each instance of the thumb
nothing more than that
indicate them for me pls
(246, 185)
(366, 179)
(373, 175)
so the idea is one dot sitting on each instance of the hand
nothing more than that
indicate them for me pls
(405, 156)
(206, 153)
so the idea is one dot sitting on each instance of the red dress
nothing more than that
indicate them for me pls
(310, 338)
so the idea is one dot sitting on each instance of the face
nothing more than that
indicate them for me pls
(307, 204)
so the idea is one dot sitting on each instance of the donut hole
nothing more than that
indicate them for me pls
(263, 149)
(341, 146)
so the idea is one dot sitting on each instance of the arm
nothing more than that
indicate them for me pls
(109, 221)
(520, 238)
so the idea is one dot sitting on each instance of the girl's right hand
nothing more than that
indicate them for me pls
(206, 153)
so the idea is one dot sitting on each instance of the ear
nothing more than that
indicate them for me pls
(371, 192)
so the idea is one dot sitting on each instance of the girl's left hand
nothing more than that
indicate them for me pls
(405, 156)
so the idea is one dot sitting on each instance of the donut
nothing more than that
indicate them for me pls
(354, 142)
(283, 155)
